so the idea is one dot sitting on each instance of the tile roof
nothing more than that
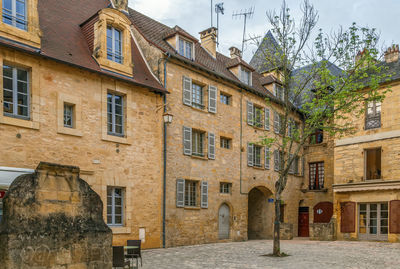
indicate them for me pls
(64, 40)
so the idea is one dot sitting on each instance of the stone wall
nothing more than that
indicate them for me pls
(286, 231)
(323, 231)
(53, 219)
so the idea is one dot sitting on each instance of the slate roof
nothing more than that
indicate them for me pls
(258, 60)
(64, 41)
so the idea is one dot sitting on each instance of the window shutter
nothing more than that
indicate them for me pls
(250, 154)
(290, 127)
(348, 217)
(394, 214)
(212, 99)
(266, 161)
(211, 146)
(291, 168)
(275, 93)
(187, 140)
(250, 113)
(180, 192)
(276, 160)
(187, 91)
(266, 116)
(277, 122)
(204, 194)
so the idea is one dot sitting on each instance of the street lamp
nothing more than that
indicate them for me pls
(167, 117)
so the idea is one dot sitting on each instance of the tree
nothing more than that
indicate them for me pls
(339, 72)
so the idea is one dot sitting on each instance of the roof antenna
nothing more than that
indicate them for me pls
(247, 14)
(219, 8)
(211, 7)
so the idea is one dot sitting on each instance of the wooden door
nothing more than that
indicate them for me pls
(303, 222)
(223, 222)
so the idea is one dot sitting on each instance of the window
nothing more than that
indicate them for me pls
(225, 142)
(185, 48)
(372, 163)
(258, 117)
(317, 137)
(190, 193)
(373, 115)
(197, 96)
(278, 92)
(316, 176)
(114, 44)
(225, 187)
(278, 123)
(257, 156)
(2, 193)
(282, 213)
(197, 143)
(115, 114)
(225, 99)
(14, 13)
(245, 76)
(278, 160)
(15, 92)
(69, 115)
(294, 167)
(115, 205)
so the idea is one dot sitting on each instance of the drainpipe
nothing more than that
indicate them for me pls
(241, 141)
(164, 149)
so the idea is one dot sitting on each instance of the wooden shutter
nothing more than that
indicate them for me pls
(250, 154)
(348, 217)
(180, 192)
(266, 118)
(204, 194)
(394, 217)
(187, 91)
(250, 113)
(211, 146)
(277, 122)
(323, 212)
(266, 157)
(212, 99)
(276, 160)
(187, 140)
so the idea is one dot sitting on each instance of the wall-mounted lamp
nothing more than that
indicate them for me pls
(167, 117)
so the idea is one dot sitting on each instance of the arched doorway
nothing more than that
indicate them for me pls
(260, 214)
(224, 222)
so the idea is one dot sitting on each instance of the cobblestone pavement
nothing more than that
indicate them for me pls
(303, 254)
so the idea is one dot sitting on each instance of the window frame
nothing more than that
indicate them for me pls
(317, 176)
(15, 92)
(191, 188)
(113, 205)
(259, 123)
(314, 137)
(378, 149)
(197, 91)
(198, 142)
(185, 43)
(113, 115)
(72, 115)
(14, 16)
(225, 142)
(225, 98)
(112, 52)
(246, 79)
(255, 164)
(373, 120)
(225, 188)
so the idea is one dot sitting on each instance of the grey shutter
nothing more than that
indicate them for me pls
(291, 168)
(290, 127)
(204, 194)
(250, 154)
(250, 113)
(266, 117)
(180, 192)
(211, 146)
(277, 122)
(187, 91)
(266, 161)
(187, 140)
(276, 160)
(275, 93)
(212, 99)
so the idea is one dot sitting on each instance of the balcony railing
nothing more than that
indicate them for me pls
(373, 122)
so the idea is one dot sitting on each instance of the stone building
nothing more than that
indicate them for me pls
(76, 91)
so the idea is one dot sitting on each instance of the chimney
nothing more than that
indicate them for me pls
(121, 5)
(208, 39)
(392, 54)
(235, 52)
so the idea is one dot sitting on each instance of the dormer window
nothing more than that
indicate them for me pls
(114, 44)
(245, 76)
(278, 91)
(185, 48)
(14, 13)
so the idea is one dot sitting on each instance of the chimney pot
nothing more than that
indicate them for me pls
(392, 54)
(235, 52)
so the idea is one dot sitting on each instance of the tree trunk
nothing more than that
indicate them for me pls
(277, 243)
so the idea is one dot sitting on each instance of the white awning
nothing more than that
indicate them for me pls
(8, 174)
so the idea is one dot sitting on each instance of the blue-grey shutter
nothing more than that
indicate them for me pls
(267, 158)
(180, 192)
(204, 194)
(187, 91)
(250, 154)
(266, 116)
(277, 122)
(211, 146)
(212, 99)
(187, 140)
(250, 113)
(276, 160)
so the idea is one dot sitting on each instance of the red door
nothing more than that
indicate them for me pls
(303, 222)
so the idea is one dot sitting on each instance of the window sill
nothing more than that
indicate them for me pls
(120, 229)
(204, 110)
(19, 122)
(191, 208)
(258, 167)
(199, 157)
(323, 144)
(320, 190)
(116, 139)
(69, 131)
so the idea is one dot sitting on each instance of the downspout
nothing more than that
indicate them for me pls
(164, 150)
(241, 141)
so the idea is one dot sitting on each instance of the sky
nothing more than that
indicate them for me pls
(195, 16)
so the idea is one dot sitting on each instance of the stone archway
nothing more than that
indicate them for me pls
(260, 214)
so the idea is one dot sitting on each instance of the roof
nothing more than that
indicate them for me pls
(258, 60)
(63, 40)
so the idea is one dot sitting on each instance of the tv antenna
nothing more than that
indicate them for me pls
(219, 8)
(247, 14)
